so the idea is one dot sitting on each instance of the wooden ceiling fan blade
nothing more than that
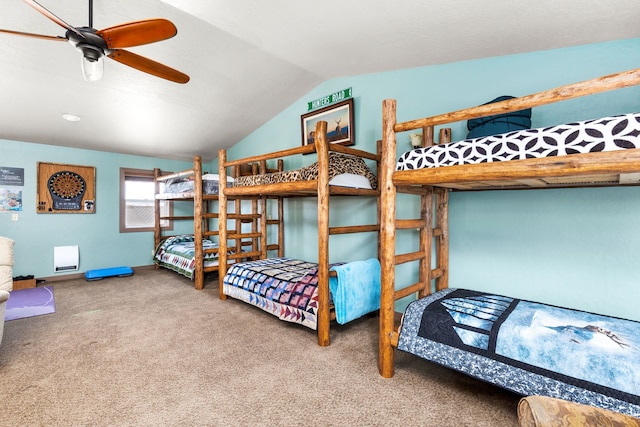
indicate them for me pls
(148, 66)
(37, 36)
(138, 33)
(37, 6)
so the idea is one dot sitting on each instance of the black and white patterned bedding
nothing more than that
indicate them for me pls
(528, 347)
(604, 134)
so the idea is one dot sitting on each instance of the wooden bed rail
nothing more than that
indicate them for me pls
(175, 175)
(575, 90)
(307, 149)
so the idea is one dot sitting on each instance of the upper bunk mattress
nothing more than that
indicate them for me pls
(340, 165)
(210, 184)
(604, 134)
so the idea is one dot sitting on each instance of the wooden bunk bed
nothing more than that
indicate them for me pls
(195, 255)
(435, 313)
(317, 186)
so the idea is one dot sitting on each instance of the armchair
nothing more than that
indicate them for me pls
(6, 276)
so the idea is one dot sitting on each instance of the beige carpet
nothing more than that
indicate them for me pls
(149, 350)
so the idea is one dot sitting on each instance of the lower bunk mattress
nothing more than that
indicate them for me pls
(605, 134)
(178, 253)
(288, 288)
(529, 348)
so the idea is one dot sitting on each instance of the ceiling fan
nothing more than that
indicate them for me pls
(96, 44)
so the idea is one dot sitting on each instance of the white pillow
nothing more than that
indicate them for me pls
(351, 180)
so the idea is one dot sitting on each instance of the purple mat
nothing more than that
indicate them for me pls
(30, 302)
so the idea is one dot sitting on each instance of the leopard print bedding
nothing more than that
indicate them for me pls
(338, 164)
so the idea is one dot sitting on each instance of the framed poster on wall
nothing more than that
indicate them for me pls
(11, 186)
(66, 188)
(340, 123)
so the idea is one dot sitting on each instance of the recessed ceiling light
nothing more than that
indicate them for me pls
(71, 117)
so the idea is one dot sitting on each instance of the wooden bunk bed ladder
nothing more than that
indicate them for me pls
(432, 227)
(230, 220)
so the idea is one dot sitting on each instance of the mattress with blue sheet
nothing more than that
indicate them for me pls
(288, 288)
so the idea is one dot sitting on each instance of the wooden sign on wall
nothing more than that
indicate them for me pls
(66, 188)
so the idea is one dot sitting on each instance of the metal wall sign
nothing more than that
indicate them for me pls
(330, 99)
(11, 176)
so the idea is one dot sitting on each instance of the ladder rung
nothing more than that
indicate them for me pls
(405, 224)
(436, 273)
(243, 255)
(411, 289)
(244, 217)
(242, 235)
(408, 257)
(353, 229)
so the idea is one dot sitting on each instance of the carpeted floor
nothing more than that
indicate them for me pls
(149, 350)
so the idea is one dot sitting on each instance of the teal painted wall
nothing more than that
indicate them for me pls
(100, 242)
(567, 247)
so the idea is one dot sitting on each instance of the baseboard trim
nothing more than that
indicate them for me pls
(61, 277)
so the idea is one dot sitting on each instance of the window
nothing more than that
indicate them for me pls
(137, 194)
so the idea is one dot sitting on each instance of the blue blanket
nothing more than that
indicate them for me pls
(356, 290)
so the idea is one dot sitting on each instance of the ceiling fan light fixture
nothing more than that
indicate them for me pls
(92, 62)
(92, 70)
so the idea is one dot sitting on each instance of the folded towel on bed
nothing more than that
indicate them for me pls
(356, 290)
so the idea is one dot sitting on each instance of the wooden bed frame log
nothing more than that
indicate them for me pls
(433, 184)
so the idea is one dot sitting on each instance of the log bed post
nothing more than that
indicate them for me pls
(426, 242)
(324, 316)
(442, 246)
(198, 218)
(280, 208)
(262, 244)
(157, 236)
(387, 238)
(222, 219)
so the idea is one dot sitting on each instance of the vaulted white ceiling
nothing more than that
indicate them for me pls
(248, 60)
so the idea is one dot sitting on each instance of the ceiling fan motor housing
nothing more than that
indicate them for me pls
(92, 46)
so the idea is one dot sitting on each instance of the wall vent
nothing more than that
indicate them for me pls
(65, 258)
